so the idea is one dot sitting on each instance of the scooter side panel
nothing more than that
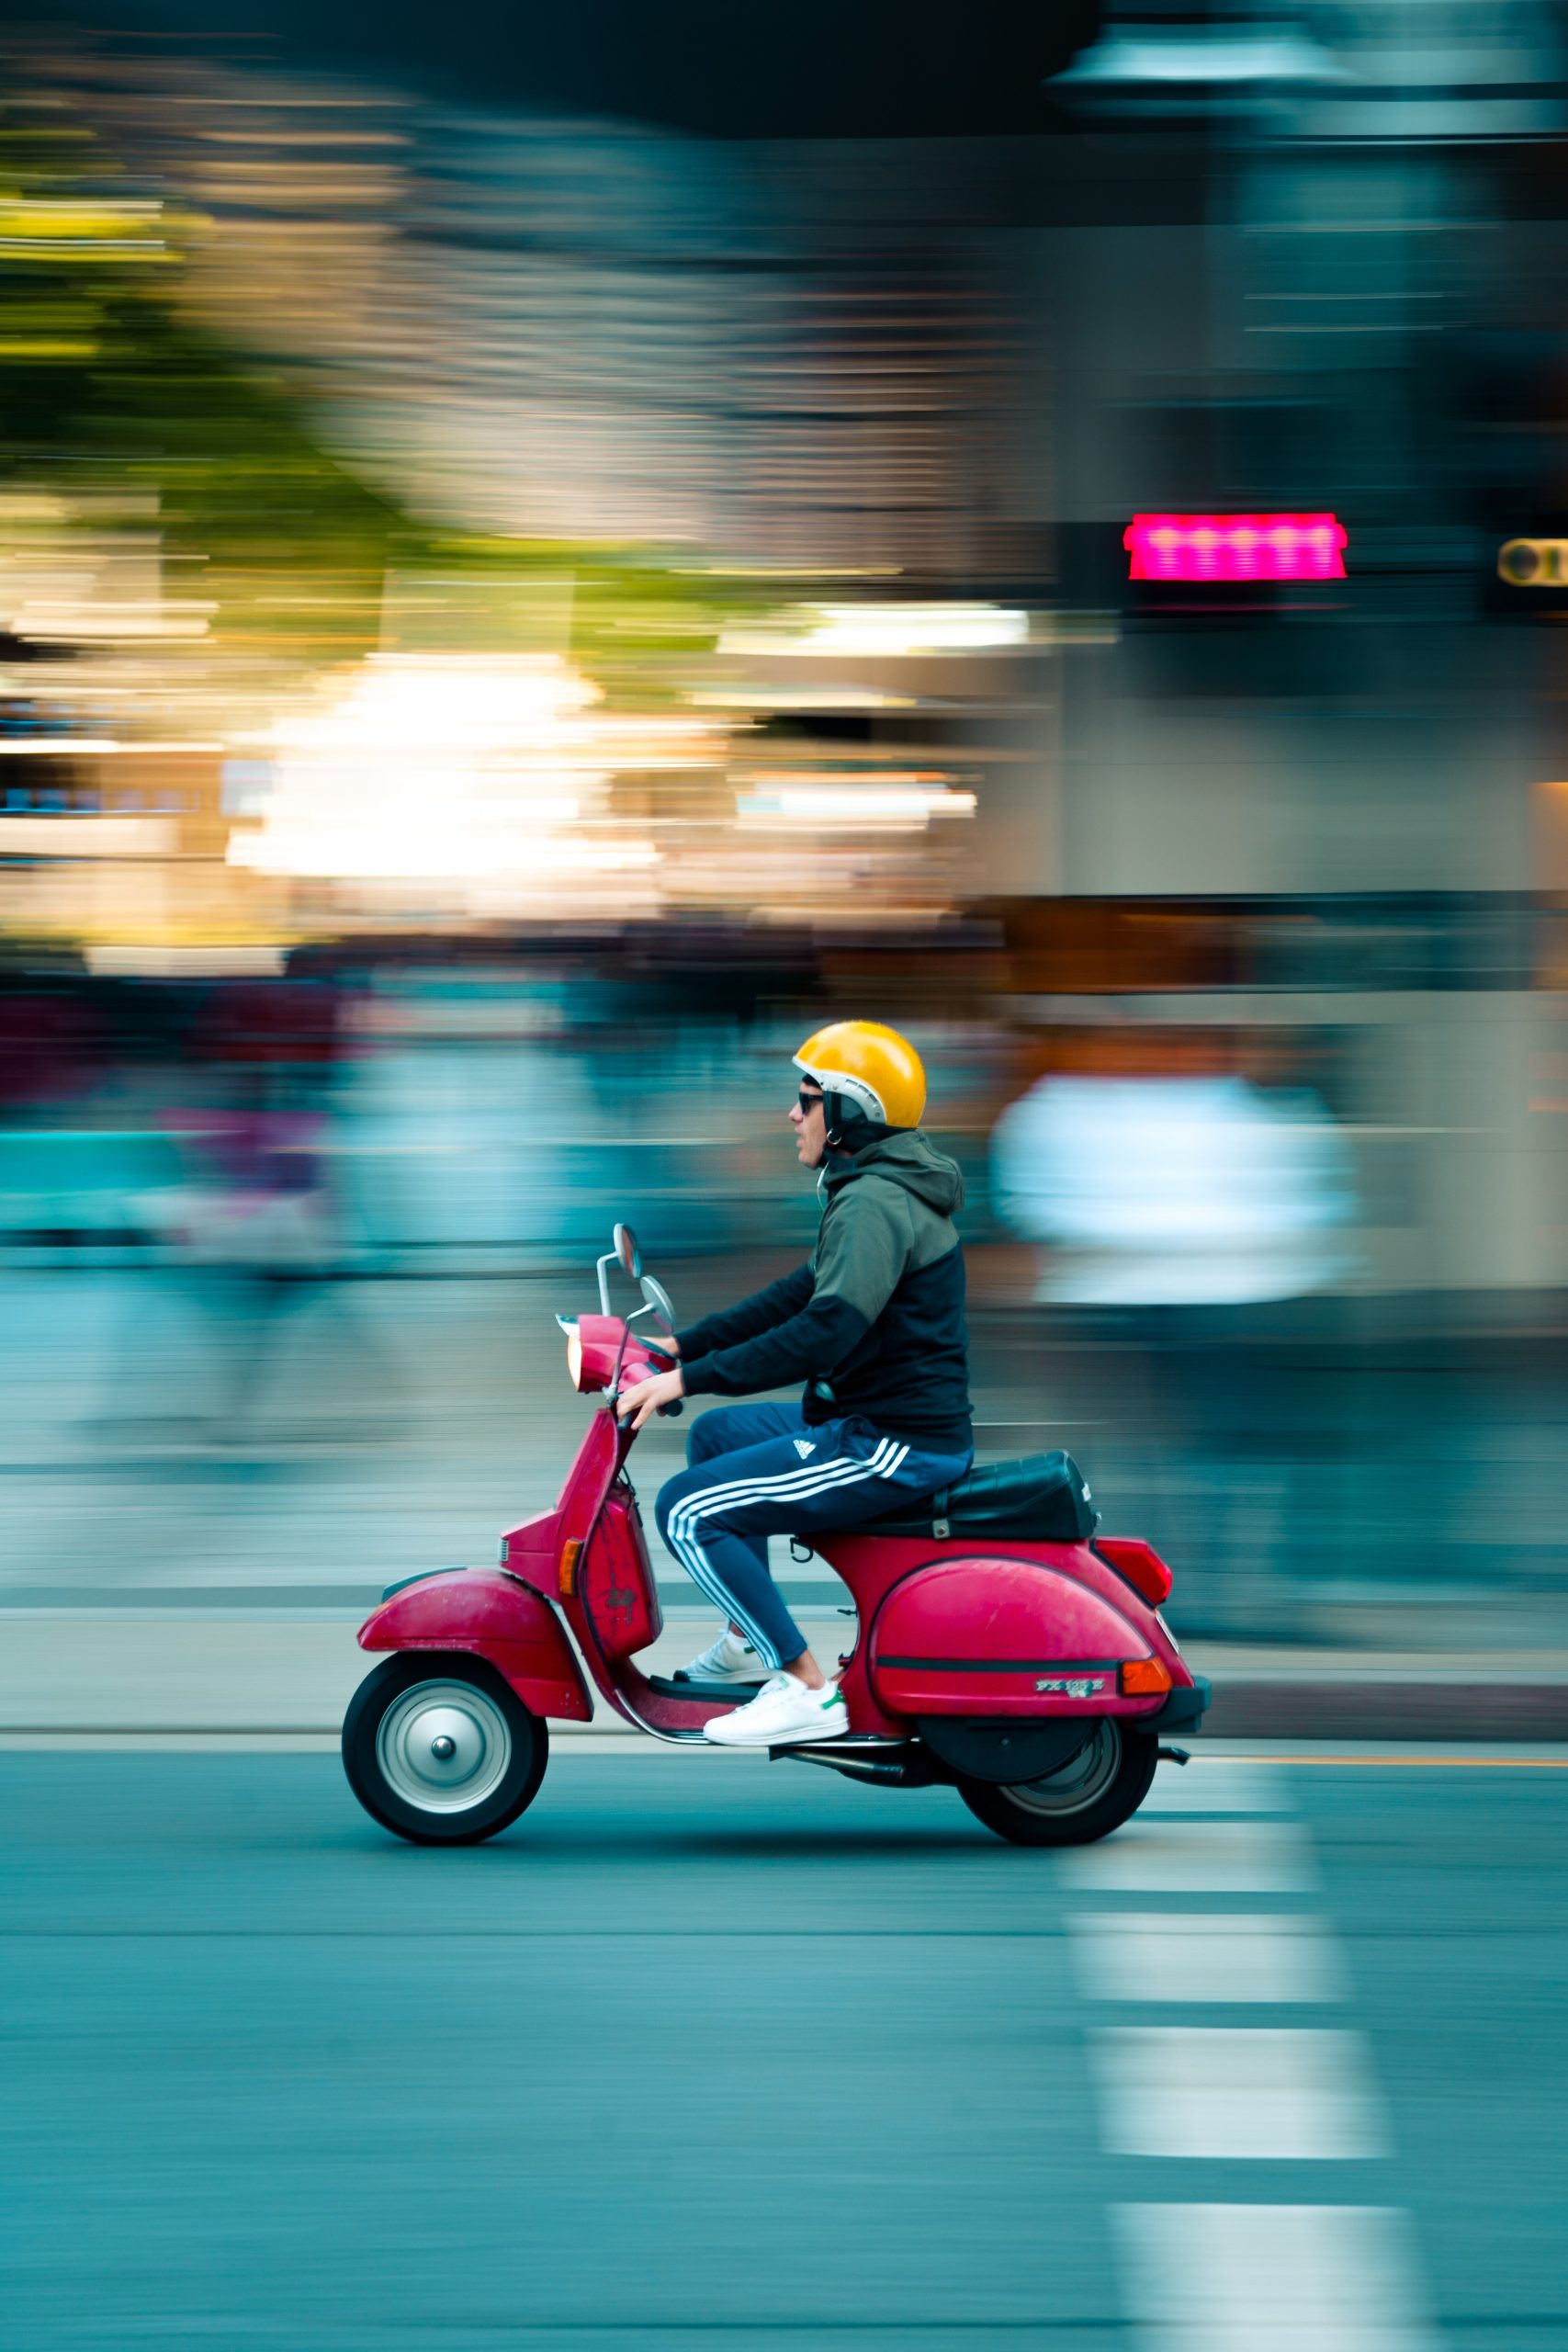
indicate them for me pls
(616, 1581)
(994, 1637)
(489, 1615)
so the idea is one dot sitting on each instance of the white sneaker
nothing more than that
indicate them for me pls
(783, 1714)
(729, 1660)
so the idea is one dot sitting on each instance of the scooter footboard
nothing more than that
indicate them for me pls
(489, 1615)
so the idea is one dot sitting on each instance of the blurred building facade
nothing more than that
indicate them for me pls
(1281, 830)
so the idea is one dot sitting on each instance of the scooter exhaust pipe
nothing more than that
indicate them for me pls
(909, 1768)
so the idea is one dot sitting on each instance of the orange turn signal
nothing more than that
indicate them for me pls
(1145, 1678)
(566, 1573)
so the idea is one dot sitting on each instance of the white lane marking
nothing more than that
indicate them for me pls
(1236, 2091)
(1290, 2277)
(1218, 1784)
(1205, 1956)
(1197, 1857)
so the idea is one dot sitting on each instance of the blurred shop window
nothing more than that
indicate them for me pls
(1175, 1192)
(1197, 455)
(245, 787)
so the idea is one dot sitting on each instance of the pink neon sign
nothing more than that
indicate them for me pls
(1235, 546)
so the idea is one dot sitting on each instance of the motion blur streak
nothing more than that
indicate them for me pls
(543, 557)
(505, 618)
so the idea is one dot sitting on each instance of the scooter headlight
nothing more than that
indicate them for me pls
(573, 1348)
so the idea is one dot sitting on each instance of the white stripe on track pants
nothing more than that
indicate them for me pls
(760, 1470)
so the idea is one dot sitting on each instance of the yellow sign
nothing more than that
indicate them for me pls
(1534, 563)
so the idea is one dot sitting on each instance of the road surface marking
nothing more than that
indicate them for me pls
(1205, 1956)
(1215, 1784)
(1241, 2277)
(1271, 2278)
(1195, 1858)
(1270, 2092)
(1428, 1763)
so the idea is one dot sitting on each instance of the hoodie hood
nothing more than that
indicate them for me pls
(906, 1158)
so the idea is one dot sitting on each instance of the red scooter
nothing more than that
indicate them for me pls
(1003, 1648)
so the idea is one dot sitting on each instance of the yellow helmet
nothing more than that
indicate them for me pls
(878, 1072)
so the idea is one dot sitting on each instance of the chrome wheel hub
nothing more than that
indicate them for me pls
(1078, 1783)
(444, 1747)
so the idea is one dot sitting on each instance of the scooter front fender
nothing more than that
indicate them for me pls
(491, 1615)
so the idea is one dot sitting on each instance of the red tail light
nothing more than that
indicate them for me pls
(1139, 1563)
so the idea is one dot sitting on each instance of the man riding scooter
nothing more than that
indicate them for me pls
(873, 1325)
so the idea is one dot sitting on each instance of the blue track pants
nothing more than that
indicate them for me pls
(760, 1470)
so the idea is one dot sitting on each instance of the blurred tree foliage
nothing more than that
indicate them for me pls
(109, 388)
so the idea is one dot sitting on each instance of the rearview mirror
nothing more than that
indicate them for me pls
(655, 1295)
(623, 1240)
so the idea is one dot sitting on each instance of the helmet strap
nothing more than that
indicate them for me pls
(847, 1128)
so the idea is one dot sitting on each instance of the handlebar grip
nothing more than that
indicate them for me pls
(674, 1410)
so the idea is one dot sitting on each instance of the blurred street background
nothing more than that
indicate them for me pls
(515, 604)
(541, 560)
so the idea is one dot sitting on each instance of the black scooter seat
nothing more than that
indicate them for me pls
(1041, 1500)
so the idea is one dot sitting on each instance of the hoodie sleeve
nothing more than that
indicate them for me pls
(862, 1252)
(748, 1315)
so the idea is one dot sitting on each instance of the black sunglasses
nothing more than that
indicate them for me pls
(808, 1102)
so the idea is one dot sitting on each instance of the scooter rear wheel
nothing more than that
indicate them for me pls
(439, 1748)
(1093, 1793)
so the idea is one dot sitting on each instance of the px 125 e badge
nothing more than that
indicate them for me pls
(1072, 1686)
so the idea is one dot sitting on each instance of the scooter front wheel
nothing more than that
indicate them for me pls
(439, 1748)
(1093, 1793)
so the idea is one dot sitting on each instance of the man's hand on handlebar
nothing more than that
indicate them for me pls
(650, 1397)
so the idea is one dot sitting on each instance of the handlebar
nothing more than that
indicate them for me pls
(635, 1372)
(664, 1360)
(602, 1353)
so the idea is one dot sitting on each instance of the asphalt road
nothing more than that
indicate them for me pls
(706, 2049)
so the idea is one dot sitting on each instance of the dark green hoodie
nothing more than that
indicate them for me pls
(873, 1323)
